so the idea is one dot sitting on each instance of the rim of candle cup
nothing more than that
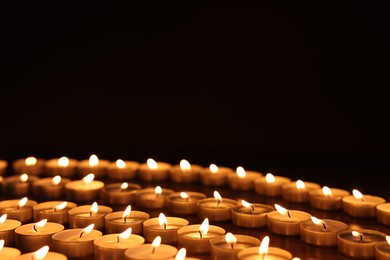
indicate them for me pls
(132, 188)
(84, 163)
(337, 193)
(151, 222)
(308, 186)
(11, 224)
(49, 255)
(98, 242)
(190, 228)
(381, 247)
(70, 186)
(366, 202)
(11, 252)
(53, 163)
(165, 192)
(274, 251)
(54, 228)
(221, 170)
(87, 237)
(362, 231)
(161, 166)
(258, 220)
(104, 210)
(137, 226)
(129, 165)
(192, 194)
(129, 253)
(240, 238)
(304, 227)
(271, 216)
(194, 168)
(224, 200)
(5, 204)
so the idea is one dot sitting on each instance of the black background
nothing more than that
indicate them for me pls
(298, 89)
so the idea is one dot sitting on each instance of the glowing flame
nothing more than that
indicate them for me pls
(185, 165)
(152, 164)
(281, 210)
(326, 191)
(204, 227)
(241, 173)
(94, 208)
(263, 248)
(127, 212)
(230, 238)
(22, 202)
(158, 190)
(184, 195)
(156, 243)
(217, 197)
(41, 253)
(162, 220)
(63, 162)
(300, 185)
(93, 160)
(270, 178)
(124, 186)
(30, 161)
(388, 239)
(181, 254)
(319, 222)
(246, 204)
(357, 194)
(23, 177)
(358, 235)
(89, 178)
(213, 168)
(120, 164)
(39, 224)
(3, 218)
(87, 229)
(56, 180)
(126, 234)
(1, 244)
(61, 206)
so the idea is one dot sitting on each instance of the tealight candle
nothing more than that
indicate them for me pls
(93, 165)
(227, 246)
(165, 227)
(50, 188)
(85, 190)
(3, 167)
(185, 172)
(82, 216)
(242, 180)
(181, 255)
(359, 205)
(152, 198)
(53, 211)
(184, 202)
(42, 254)
(154, 171)
(214, 175)
(286, 222)
(196, 238)
(264, 252)
(321, 232)
(270, 185)
(119, 221)
(360, 243)
(113, 246)
(18, 185)
(327, 198)
(250, 215)
(18, 209)
(382, 250)
(64, 167)
(7, 229)
(119, 193)
(8, 253)
(383, 213)
(215, 209)
(121, 170)
(298, 191)
(76, 243)
(155, 250)
(30, 165)
(31, 237)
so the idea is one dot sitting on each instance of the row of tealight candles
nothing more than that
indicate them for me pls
(281, 221)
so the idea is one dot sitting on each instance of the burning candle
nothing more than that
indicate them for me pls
(214, 175)
(82, 216)
(122, 171)
(215, 209)
(382, 250)
(181, 255)
(185, 172)
(270, 185)
(250, 215)
(227, 246)
(18, 185)
(359, 205)
(18, 209)
(196, 238)
(327, 198)
(286, 222)
(8, 253)
(155, 250)
(95, 165)
(243, 180)
(7, 229)
(321, 232)
(85, 190)
(264, 252)
(184, 202)
(31, 237)
(3, 167)
(359, 243)
(30, 165)
(152, 198)
(76, 243)
(298, 191)
(383, 213)
(154, 171)
(50, 188)
(53, 211)
(165, 227)
(119, 221)
(64, 167)
(42, 254)
(119, 194)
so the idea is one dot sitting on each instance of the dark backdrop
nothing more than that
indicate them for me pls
(296, 88)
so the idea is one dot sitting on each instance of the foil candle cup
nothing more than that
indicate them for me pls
(243, 180)
(154, 171)
(119, 193)
(382, 250)
(264, 252)
(18, 209)
(298, 191)
(152, 198)
(53, 211)
(84, 191)
(64, 167)
(250, 215)
(8, 253)
(359, 205)
(215, 209)
(93, 165)
(42, 254)
(184, 203)
(121, 171)
(270, 185)
(155, 250)
(214, 175)
(119, 221)
(83, 216)
(327, 198)
(30, 165)
(50, 188)
(383, 213)
(227, 246)
(7, 229)
(185, 172)
(18, 185)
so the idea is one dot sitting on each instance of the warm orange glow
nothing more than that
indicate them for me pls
(181, 254)
(127, 212)
(39, 224)
(3, 218)
(156, 243)
(61, 206)
(94, 208)
(88, 229)
(2, 242)
(326, 191)
(23, 177)
(358, 235)
(319, 222)
(217, 197)
(56, 180)
(89, 178)
(126, 234)
(162, 220)
(270, 178)
(230, 238)
(184, 195)
(22, 202)
(300, 185)
(281, 210)
(152, 164)
(263, 248)
(93, 160)
(213, 168)
(41, 253)
(124, 186)
(185, 165)
(388, 240)
(246, 204)
(120, 164)
(158, 190)
(63, 162)
(241, 173)
(30, 161)
(204, 227)
(358, 195)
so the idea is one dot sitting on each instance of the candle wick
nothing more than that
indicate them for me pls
(124, 219)
(165, 226)
(153, 249)
(81, 234)
(90, 213)
(17, 206)
(231, 244)
(361, 237)
(253, 207)
(35, 229)
(218, 202)
(117, 239)
(288, 214)
(324, 225)
(263, 256)
(200, 233)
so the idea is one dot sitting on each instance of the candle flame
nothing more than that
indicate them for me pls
(181, 254)
(93, 160)
(204, 227)
(30, 161)
(281, 210)
(358, 235)
(56, 180)
(300, 185)
(185, 165)
(156, 243)
(246, 204)
(41, 253)
(162, 220)
(217, 197)
(23, 177)
(126, 234)
(326, 191)
(61, 206)
(184, 195)
(94, 208)
(124, 186)
(39, 224)
(127, 212)
(158, 190)
(263, 248)
(241, 173)
(270, 178)
(357, 194)
(63, 162)
(89, 178)
(152, 164)
(120, 164)
(213, 168)
(87, 229)
(22, 202)
(2, 242)
(318, 221)
(388, 239)
(3, 218)
(230, 238)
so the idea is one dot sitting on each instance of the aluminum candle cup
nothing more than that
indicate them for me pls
(333, 201)
(81, 192)
(149, 199)
(93, 165)
(74, 243)
(284, 225)
(221, 250)
(116, 223)
(360, 246)
(22, 213)
(383, 213)
(146, 251)
(183, 174)
(215, 176)
(53, 211)
(270, 185)
(214, 211)
(82, 216)
(363, 208)
(119, 193)
(254, 216)
(243, 180)
(48, 188)
(9, 253)
(64, 167)
(154, 171)
(7, 230)
(168, 233)
(274, 253)
(29, 165)
(382, 251)
(30, 238)
(122, 170)
(323, 235)
(16, 187)
(291, 192)
(184, 202)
